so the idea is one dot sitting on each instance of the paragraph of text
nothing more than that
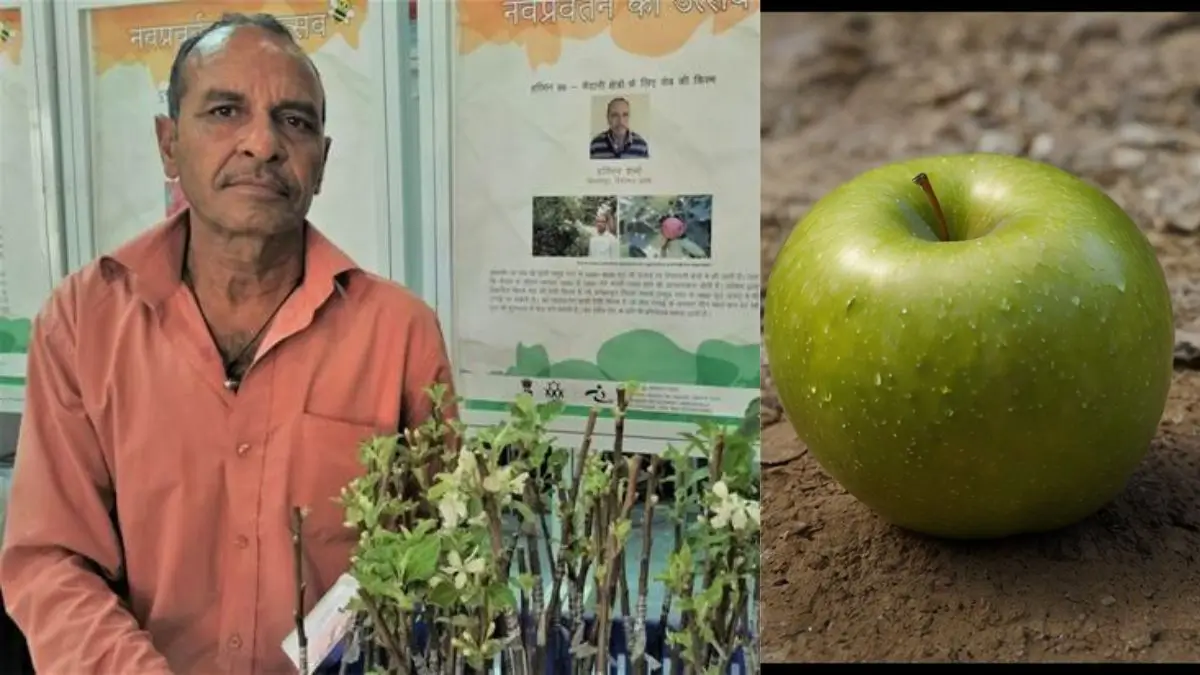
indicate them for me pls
(680, 292)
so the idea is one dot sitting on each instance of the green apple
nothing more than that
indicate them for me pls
(1001, 378)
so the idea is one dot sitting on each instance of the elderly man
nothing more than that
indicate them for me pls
(186, 391)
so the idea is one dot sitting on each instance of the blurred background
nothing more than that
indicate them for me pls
(1113, 98)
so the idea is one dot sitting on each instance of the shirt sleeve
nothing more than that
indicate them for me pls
(61, 547)
(428, 364)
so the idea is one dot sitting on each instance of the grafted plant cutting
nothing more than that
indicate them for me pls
(503, 549)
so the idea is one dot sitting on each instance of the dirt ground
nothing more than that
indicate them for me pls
(1115, 100)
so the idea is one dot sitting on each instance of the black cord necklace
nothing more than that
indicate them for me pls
(233, 379)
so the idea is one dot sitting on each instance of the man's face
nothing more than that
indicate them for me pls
(249, 147)
(618, 117)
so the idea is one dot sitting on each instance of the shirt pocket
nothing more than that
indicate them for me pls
(326, 460)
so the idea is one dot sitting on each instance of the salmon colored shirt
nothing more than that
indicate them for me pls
(127, 423)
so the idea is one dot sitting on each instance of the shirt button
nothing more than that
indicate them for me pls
(243, 449)
(235, 641)
(241, 542)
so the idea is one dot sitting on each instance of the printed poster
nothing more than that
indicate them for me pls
(132, 48)
(26, 276)
(606, 208)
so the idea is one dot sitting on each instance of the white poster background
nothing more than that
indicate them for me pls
(26, 274)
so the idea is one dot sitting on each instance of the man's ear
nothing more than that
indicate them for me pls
(324, 160)
(167, 133)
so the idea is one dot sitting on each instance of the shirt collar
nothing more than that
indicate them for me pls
(154, 261)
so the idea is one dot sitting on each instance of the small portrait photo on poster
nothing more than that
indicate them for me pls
(675, 227)
(620, 125)
(576, 227)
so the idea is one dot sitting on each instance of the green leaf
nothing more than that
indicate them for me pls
(500, 596)
(444, 595)
(527, 514)
(751, 426)
(442, 485)
(422, 559)
(622, 529)
(550, 410)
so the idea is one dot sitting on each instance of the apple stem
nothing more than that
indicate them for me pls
(923, 180)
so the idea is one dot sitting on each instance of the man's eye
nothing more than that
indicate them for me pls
(298, 122)
(222, 111)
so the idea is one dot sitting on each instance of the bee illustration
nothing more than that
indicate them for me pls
(6, 33)
(341, 10)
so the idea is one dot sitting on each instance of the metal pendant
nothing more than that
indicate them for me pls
(231, 384)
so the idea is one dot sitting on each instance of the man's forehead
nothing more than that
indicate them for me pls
(222, 54)
(236, 41)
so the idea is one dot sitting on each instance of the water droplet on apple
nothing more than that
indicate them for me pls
(1075, 300)
(850, 303)
(1121, 285)
(878, 379)
(1005, 304)
(812, 390)
(1038, 309)
(904, 310)
(1019, 282)
(945, 389)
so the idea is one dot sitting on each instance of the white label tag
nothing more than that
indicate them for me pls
(325, 626)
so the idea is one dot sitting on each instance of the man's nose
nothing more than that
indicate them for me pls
(262, 141)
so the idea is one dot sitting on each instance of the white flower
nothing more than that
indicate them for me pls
(732, 509)
(752, 509)
(467, 470)
(503, 481)
(453, 509)
(723, 507)
(462, 572)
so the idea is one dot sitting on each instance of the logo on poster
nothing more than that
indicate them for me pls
(598, 395)
(341, 10)
(554, 391)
